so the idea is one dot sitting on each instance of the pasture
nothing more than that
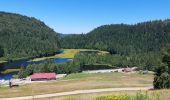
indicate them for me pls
(80, 81)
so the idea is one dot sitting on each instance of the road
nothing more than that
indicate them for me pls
(77, 92)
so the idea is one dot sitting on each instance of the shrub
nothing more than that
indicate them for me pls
(162, 75)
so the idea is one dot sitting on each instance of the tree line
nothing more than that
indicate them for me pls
(81, 62)
(1, 52)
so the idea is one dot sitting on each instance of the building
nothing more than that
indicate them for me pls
(43, 76)
(127, 70)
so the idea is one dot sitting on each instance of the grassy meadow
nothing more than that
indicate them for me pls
(10, 71)
(67, 53)
(3, 61)
(81, 81)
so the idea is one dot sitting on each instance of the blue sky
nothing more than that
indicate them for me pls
(77, 16)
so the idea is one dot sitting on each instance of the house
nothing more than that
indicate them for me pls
(43, 76)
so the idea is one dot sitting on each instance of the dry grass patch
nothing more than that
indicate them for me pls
(81, 82)
(163, 94)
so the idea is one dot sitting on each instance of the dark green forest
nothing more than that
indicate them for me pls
(22, 36)
(123, 39)
(140, 43)
(1, 52)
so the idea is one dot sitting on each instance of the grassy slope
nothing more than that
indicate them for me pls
(81, 81)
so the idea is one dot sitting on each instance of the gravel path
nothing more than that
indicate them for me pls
(77, 92)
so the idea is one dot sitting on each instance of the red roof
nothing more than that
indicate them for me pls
(43, 76)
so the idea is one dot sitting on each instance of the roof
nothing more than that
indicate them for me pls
(43, 76)
(127, 69)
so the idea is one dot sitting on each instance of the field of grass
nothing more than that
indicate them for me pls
(81, 81)
(67, 53)
(10, 71)
(153, 95)
(3, 61)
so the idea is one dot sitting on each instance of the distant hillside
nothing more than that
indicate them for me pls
(22, 36)
(124, 39)
(140, 44)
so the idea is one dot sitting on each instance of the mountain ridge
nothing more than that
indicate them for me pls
(23, 36)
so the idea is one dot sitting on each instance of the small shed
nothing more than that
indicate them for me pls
(43, 76)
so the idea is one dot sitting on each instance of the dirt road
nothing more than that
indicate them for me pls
(77, 92)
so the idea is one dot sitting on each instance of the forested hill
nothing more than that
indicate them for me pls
(22, 36)
(123, 39)
(137, 45)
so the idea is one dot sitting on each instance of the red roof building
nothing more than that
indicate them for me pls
(43, 76)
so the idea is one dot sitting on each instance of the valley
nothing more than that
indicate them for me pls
(110, 62)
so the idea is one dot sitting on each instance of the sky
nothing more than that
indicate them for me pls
(82, 16)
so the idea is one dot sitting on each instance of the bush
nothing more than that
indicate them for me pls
(162, 81)
(96, 67)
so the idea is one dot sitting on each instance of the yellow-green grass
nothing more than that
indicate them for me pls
(153, 95)
(67, 53)
(81, 81)
(10, 71)
(3, 61)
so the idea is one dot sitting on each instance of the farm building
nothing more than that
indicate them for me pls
(43, 76)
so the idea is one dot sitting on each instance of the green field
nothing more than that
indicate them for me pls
(10, 71)
(67, 53)
(3, 61)
(81, 81)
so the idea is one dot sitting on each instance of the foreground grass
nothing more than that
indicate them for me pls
(123, 95)
(81, 81)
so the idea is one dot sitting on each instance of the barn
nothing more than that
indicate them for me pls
(43, 76)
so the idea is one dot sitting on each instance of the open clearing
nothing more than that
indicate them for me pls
(67, 53)
(10, 71)
(81, 81)
(2, 62)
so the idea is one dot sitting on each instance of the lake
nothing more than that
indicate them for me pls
(25, 63)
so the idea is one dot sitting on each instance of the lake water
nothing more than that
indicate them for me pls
(7, 76)
(25, 63)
